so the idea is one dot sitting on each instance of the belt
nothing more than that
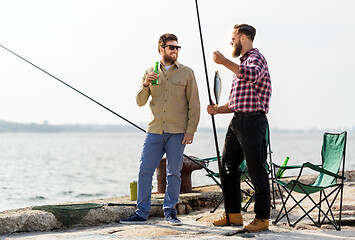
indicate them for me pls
(247, 114)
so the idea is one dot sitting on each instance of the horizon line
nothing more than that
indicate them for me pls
(94, 126)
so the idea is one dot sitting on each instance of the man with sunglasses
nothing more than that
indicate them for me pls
(249, 101)
(175, 108)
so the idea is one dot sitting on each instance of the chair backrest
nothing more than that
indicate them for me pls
(333, 152)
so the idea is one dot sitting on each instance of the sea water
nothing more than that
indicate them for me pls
(53, 168)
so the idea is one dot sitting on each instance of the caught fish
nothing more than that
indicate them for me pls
(217, 88)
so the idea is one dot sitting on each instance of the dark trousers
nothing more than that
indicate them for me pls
(245, 138)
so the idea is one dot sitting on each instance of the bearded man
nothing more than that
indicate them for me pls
(249, 102)
(175, 108)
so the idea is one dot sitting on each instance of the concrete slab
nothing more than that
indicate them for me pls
(194, 211)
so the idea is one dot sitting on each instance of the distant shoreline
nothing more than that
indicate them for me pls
(45, 127)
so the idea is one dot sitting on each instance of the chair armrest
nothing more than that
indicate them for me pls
(211, 159)
(287, 167)
(318, 169)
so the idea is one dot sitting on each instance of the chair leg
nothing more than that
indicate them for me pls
(306, 213)
(297, 203)
(273, 205)
(283, 203)
(278, 218)
(217, 205)
(248, 181)
(341, 201)
(328, 200)
(334, 223)
(316, 206)
(245, 208)
(271, 171)
(247, 204)
(320, 206)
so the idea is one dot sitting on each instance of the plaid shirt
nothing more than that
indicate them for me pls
(251, 89)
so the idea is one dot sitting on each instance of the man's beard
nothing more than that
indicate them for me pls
(169, 59)
(237, 49)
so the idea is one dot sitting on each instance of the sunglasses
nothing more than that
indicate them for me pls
(172, 47)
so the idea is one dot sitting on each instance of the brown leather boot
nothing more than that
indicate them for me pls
(235, 219)
(257, 225)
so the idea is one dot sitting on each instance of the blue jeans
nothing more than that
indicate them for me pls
(154, 147)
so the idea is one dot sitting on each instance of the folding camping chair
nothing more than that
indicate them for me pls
(333, 156)
(245, 176)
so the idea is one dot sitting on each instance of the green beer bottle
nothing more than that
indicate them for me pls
(156, 70)
(281, 171)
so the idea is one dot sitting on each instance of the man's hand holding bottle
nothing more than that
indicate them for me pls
(149, 78)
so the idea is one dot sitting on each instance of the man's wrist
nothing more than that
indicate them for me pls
(190, 131)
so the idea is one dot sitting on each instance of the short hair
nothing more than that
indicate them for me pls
(247, 30)
(165, 38)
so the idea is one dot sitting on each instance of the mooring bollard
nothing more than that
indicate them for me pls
(186, 171)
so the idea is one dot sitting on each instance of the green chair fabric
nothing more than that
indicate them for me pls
(333, 157)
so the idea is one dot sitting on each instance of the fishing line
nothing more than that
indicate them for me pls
(220, 167)
(201, 165)
(74, 89)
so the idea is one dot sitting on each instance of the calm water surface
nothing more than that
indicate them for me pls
(49, 168)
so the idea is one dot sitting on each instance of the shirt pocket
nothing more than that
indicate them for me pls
(178, 87)
(155, 90)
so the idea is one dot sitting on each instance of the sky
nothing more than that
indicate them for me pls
(102, 48)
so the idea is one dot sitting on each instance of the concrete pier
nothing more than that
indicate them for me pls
(194, 210)
(29, 220)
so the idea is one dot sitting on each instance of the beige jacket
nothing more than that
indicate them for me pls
(175, 103)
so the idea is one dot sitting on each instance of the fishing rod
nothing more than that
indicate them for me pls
(220, 167)
(125, 119)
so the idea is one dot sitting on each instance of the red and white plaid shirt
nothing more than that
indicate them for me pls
(251, 89)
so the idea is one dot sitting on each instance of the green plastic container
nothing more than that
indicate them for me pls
(133, 188)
